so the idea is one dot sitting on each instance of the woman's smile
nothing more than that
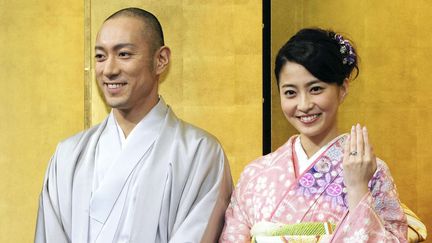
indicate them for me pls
(309, 119)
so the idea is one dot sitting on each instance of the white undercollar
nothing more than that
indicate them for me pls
(159, 110)
(303, 161)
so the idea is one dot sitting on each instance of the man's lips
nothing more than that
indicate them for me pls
(114, 85)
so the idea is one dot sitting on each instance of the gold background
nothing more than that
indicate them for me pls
(215, 77)
(214, 81)
(392, 95)
(42, 101)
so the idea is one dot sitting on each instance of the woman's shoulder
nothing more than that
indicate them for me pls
(267, 162)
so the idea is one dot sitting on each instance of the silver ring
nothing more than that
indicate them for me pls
(353, 153)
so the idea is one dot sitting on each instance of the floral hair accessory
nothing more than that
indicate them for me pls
(346, 50)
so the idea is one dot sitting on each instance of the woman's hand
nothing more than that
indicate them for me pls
(359, 165)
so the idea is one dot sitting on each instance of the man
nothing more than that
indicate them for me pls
(142, 175)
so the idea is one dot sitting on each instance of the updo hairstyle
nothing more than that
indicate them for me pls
(325, 54)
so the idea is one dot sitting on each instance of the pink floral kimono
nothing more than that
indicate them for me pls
(271, 190)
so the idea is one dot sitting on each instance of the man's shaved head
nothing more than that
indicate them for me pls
(152, 27)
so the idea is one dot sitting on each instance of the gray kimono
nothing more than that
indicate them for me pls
(170, 183)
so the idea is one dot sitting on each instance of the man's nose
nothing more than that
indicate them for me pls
(111, 68)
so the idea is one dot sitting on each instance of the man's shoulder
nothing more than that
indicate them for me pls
(190, 136)
(194, 130)
(78, 138)
(195, 146)
(194, 133)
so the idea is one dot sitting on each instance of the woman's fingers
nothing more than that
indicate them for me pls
(357, 147)
(353, 141)
(347, 148)
(369, 155)
(367, 147)
(359, 141)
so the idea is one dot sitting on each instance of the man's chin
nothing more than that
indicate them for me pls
(115, 105)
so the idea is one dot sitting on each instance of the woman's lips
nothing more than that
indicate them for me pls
(308, 119)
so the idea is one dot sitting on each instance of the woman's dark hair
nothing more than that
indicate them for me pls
(325, 54)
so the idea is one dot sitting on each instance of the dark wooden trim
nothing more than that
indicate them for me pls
(266, 71)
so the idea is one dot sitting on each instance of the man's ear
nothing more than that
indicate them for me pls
(343, 90)
(162, 56)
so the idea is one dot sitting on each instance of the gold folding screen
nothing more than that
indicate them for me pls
(392, 95)
(214, 79)
(41, 101)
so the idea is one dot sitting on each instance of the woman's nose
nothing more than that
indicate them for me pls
(305, 103)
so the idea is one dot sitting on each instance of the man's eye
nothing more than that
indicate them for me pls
(99, 57)
(124, 54)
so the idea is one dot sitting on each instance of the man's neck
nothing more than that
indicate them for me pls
(129, 118)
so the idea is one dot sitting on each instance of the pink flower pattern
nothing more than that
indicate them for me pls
(269, 191)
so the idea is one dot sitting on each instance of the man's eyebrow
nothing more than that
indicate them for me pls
(116, 47)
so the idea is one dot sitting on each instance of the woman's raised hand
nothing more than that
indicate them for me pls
(359, 164)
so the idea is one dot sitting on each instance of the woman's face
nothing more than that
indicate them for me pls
(309, 104)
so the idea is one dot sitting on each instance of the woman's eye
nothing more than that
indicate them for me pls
(289, 93)
(316, 90)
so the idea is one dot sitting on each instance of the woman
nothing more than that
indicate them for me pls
(319, 186)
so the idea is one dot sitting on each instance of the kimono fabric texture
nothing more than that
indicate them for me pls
(164, 183)
(272, 196)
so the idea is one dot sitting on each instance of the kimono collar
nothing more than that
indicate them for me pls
(138, 143)
(151, 121)
(303, 161)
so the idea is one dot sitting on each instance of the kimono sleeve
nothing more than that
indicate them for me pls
(49, 228)
(378, 217)
(205, 196)
(237, 226)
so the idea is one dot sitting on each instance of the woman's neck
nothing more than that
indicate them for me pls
(312, 144)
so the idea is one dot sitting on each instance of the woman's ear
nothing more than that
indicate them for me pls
(162, 59)
(343, 90)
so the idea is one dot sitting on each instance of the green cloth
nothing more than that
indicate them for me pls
(309, 228)
(305, 228)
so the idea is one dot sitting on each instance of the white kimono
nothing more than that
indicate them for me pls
(169, 183)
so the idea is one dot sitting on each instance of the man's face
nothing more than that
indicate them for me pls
(125, 64)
